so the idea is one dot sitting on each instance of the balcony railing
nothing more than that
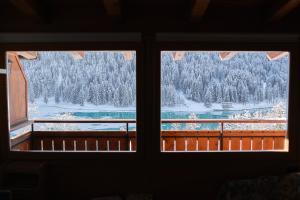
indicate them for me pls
(171, 140)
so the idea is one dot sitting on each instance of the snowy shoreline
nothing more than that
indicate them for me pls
(191, 106)
(41, 110)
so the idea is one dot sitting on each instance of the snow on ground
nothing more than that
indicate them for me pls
(191, 106)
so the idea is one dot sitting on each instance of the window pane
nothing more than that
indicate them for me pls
(76, 100)
(224, 101)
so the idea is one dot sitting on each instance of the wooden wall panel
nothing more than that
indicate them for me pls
(23, 146)
(268, 143)
(170, 140)
(180, 144)
(169, 144)
(191, 144)
(202, 142)
(235, 143)
(246, 143)
(213, 144)
(279, 143)
(17, 84)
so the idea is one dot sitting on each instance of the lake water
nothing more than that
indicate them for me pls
(164, 115)
(132, 115)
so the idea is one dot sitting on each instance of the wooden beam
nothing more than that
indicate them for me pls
(77, 54)
(226, 55)
(30, 55)
(28, 7)
(112, 7)
(285, 9)
(198, 9)
(178, 55)
(128, 55)
(274, 55)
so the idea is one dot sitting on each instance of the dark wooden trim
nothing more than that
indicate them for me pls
(283, 10)
(85, 121)
(235, 133)
(96, 42)
(59, 40)
(235, 42)
(162, 121)
(149, 71)
(229, 121)
(199, 9)
(20, 125)
(82, 134)
(20, 139)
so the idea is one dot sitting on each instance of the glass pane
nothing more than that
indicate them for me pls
(224, 101)
(76, 100)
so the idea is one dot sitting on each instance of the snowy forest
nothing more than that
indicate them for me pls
(204, 77)
(99, 78)
(106, 78)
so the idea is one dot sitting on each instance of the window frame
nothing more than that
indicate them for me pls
(233, 42)
(100, 44)
(148, 93)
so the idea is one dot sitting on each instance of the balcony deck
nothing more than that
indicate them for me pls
(175, 140)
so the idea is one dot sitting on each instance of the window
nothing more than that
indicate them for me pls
(224, 101)
(72, 100)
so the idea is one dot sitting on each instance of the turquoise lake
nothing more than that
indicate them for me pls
(164, 115)
(132, 115)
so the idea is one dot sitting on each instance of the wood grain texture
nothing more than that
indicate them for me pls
(17, 84)
(170, 140)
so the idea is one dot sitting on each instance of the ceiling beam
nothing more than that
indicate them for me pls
(199, 8)
(77, 55)
(112, 7)
(28, 7)
(285, 9)
(178, 55)
(274, 55)
(30, 55)
(226, 55)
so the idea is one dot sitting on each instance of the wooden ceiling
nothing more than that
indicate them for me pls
(150, 15)
(227, 55)
(77, 55)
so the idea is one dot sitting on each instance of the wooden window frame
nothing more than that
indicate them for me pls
(148, 51)
(233, 42)
(93, 42)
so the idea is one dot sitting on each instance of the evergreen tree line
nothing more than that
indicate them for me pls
(107, 78)
(99, 78)
(204, 77)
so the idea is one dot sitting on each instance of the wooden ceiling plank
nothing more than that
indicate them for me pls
(226, 55)
(199, 8)
(112, 7)
(128, 55)
(77, 55)
(274, 55)
(285, 9)
(30, 55)
(178, 55)
(28, 7)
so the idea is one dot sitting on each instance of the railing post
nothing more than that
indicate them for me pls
(221, 136)
(32, 127)
(128, 139)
